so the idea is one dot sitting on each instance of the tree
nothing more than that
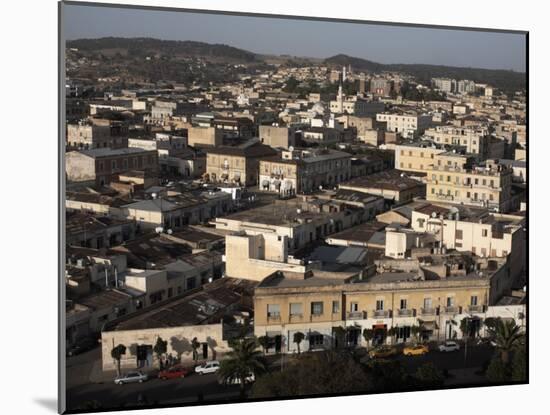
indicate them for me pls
(339, 333)
(243, 360)
(298, 338)
(497, 371)
(429, 376)
(465, 325)
(116, 353)
(519, 365)
(368, 335)
(296, 379)
(264, 342)
(415, 331)
(507, 336)
(392, 332)
(195, 346)
(160, 348)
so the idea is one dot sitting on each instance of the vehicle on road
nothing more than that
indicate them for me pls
(208, 367)
(383, 352)
(81, 346)
(449, 347)
(174, 372)
(416, 350)
(237, 381)
(131, 377)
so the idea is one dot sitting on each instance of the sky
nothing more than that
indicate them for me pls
(378, 43)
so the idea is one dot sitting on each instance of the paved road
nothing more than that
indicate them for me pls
(187, 390)
(171, 391)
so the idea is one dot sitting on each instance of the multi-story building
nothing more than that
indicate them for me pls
(381, 87)
(487, 185)
(101, 165)
(97, 133)
(277, 136)
(408, 125)
(416, 156)
(238, 164)
(320, 304)
(476, 139)
(465, 86)
(304, 170)
(445, 84)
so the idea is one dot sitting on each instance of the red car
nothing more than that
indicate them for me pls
(174, 372)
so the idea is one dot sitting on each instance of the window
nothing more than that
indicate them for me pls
(317, 308)
(473, 300)
(273, 310)
(296, 309)
(379, 305)
(403, 304)
(427, 303)
(155, 297)
(336, 307)
(170, 292)
(354, 307)
(316, 340)
(450, 301)
(459, 234)
(484, 233)
(190, 283)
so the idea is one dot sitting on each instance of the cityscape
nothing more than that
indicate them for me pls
(243, 226)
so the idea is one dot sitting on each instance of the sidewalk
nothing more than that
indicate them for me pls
(98, 375)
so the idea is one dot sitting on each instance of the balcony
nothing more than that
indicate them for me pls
(273, 318)
(296, 318)
(476, 308)
(428, 311)
(381, 313)
(356, 315)
(405, 312)
(451, 309)
(316, 317)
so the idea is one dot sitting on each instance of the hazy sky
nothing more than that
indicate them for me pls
(383, 44)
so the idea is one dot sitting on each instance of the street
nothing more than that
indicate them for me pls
(81, 390)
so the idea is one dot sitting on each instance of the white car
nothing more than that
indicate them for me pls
(237, 381)
(208, 367)
(131, 377)
(449, 347)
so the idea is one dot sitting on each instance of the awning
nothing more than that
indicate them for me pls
(265, 183)
(428, 325)
(276, 182)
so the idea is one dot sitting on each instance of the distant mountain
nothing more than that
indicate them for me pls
(503, 79)
(144, 46)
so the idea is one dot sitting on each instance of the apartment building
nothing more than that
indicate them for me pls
(408, 125)
(486, 185)
(97, 133)
(304, 170)
(319, 303)
(381, 87)
(416, 156)
(476, 139)
(237, 164)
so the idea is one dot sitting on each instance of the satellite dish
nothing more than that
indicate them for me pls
(291, 148)
(159, 229)
(434, 215)
(169, 231)
(154, 195)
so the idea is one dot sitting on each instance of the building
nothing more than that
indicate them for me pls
(475, 139)
(409, 125)
(205, 315)
(237, 164)
(101, 165)
(97, 133)
(381, 87)
(445, 84)
(277, 136)
(204, 136)
(304, 170)
(392, 185)
(433, 293)
(485, 185)
(416, 156)
(95, 231)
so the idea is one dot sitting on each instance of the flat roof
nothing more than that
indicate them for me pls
(389, 180)
(206, 305)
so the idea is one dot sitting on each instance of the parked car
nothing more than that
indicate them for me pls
(383, 352)
(417, 350)
(208, 367)
(237, 381)
(81, 346)
(174, 372)
(449, 347)
(131, 377)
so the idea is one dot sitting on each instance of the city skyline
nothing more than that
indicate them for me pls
(280, 36)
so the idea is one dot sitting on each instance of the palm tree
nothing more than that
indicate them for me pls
(392, 333)
(116, 354)
(297, 338)
(241, 362)
(507, 336)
